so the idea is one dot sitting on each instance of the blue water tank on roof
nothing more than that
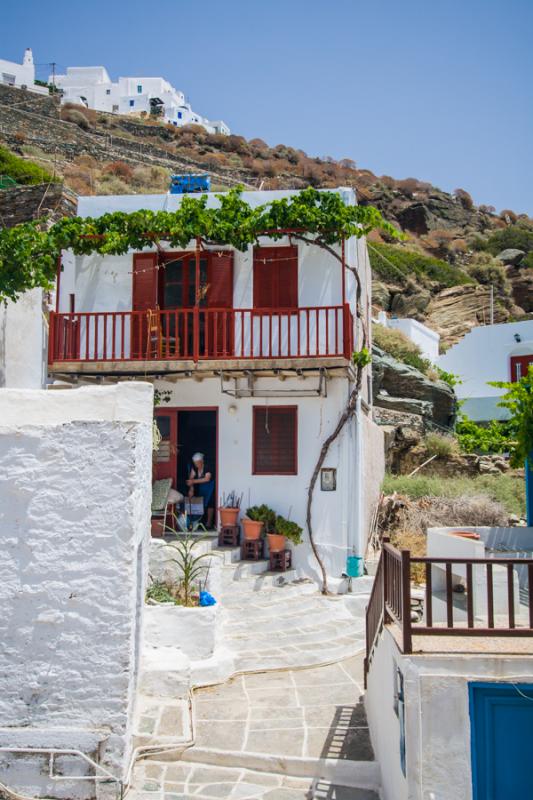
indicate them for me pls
(187, 184)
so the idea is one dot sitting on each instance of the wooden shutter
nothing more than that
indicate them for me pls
(220, 280)
(275, 440)
(144, 293)
(288, 277)
(144, 298)
(276, 277)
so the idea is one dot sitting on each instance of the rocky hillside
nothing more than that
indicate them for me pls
(441, 273)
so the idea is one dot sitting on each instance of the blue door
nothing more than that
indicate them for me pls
(501, 719)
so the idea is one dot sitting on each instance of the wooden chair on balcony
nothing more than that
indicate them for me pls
(156, 336)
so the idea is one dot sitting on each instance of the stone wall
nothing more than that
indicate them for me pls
(74, 531)
(22, 203)
(43, 105)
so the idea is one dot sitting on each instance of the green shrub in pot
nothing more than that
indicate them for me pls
(263, 514)
(290, 530)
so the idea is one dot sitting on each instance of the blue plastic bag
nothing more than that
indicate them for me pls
(207, 599)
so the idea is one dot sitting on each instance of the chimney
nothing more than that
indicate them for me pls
(28, 57)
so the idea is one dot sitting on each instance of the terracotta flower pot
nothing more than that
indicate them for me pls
(228, 516)
(252, 529)
(276, 542)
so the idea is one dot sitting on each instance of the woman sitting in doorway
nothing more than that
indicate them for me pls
(201, 476)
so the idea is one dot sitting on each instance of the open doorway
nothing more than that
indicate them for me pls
(184, 432)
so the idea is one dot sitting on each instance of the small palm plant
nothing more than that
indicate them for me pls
(191, 566)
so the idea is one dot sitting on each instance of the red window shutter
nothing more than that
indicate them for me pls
(275, 438)
(276, 277)
(288, 277)
(144, 293)
(220, 280)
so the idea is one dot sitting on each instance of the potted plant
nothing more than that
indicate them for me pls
(284, 529)
(229, 509)
(258, 521)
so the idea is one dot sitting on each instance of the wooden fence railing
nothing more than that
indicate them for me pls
(201, 333)
(462, 597)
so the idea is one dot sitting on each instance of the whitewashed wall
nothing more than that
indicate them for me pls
(426, 339)
(23, 337)
(75, 469)
(437, 718)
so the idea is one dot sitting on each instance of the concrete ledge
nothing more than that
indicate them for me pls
(192, 631)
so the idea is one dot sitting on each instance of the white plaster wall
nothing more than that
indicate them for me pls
(483, 355)
(437, 718)
(75, 497)
(23, 337)
(382, 720)
(372, 473)
(336, 526)
(426, 339)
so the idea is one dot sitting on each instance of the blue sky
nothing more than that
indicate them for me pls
(440, 90)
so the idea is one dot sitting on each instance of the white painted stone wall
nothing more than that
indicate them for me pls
(437, 718)
(75, 493)
(426, 339)
(23, 342)
(484, 355)
(372, 473)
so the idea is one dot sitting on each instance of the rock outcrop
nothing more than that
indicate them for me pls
(400, 387)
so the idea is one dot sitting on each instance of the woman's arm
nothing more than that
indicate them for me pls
(206, 478)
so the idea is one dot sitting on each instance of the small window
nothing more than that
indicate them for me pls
(115, 109)
(132, 103)
(275, 440)
(139, 88)
(108, 91)
(180, 115)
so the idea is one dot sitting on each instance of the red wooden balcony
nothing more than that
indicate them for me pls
(201, 334)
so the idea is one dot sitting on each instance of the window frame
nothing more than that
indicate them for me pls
(292, 408)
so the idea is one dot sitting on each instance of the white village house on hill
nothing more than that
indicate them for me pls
(21, 75)
(256, 372)
(92, 87)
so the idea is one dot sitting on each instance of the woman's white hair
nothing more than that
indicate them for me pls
(198, 457)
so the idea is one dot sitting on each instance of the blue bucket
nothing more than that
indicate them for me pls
(354, 566)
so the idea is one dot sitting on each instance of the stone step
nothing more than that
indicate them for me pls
(353, 774)
(239, 570)
(189, 779)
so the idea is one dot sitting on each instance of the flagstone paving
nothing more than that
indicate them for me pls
(308, 713)
(296, 703)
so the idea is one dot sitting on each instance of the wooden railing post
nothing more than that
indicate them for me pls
(51, 337)
(385, 541)
(406, 602)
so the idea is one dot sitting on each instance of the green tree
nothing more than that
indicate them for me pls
(518, 399)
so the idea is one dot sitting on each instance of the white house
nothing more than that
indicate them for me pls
(426, 338)
(489, 353)
(92, 87)
(256, 375)
(21, 75)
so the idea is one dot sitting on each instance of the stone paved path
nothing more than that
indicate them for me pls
(283, 716)
(307, 713)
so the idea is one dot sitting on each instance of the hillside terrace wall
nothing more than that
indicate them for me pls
(22, 99)
(68, 140)
(22, 203)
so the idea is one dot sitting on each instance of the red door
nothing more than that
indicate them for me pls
(165, 459)
(519, 366)
(144, 336)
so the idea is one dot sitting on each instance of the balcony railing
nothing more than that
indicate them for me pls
(462, 597)
(200, 334)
